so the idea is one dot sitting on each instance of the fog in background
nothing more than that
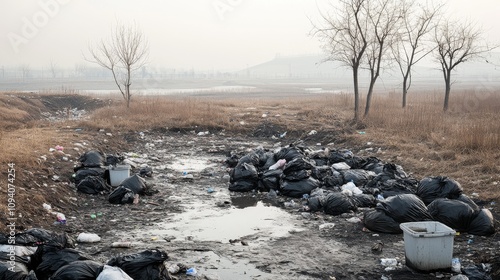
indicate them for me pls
(193, 35)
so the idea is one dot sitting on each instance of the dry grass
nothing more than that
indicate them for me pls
(462, 143)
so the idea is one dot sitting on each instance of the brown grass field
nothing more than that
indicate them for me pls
(462, 143)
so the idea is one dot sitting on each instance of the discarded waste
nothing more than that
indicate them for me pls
(191, 271)
(389, 262)
(88, 237)
(455, 265)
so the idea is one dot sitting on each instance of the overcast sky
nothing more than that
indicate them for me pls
(199, 34)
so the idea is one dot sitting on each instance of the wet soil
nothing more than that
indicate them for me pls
(224, 235)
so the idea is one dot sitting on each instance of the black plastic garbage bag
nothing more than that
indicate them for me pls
(297, 175)
(232, 161)
(270, 180)
(146, 171)
(364, 200)
(113, 160)
(243, 186)
(121, 195)
(321, 172)
(339, 156)
(469, 201)
(269, 162)
(390, 187)
(81, 174)
(92, 185)
(405, 208)
(338, 203)
(298, 164)
(250, 158)
(334, 180)
(135, 184)
(454, 213)
(288, 153)
(144, 265)
(244, 172)
(48, 259)
(377, 220)
(358, 176)
(299, 188)
(79, 270)
(373, 164)
(39, 236)
(92, 159)
(431, 188)
(476, 272)
(314, 204)
(483, 224)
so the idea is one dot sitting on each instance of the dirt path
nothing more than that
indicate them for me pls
(240, 236)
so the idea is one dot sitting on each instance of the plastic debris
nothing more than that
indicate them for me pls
(88, 237)
(389, 262)
(191, 271)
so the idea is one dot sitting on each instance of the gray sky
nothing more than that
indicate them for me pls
(199, 34)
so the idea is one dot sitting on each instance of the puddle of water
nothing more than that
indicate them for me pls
(201, 223)
(224, 268)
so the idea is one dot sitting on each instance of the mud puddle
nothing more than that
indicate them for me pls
(210, 214)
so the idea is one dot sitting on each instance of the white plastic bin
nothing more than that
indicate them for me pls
(428, 245)
(118, 173)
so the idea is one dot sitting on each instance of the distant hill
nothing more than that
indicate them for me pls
(485, 70)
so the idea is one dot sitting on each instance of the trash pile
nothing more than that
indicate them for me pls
(337, 182)
(94, 175)
(41, 254)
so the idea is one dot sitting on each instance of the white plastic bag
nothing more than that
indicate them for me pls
(88, 237)
(113, 273)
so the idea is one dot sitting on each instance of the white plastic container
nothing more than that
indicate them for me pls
(118, 173)
(428, 245)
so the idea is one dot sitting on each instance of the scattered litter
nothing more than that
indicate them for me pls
(455, 265)
(47, 207)
(88, 237)
(61, 219)
(389, 262)
(354, 220)
(210, 190)
(191, 271)
(312, 132)
(326, 226)
(121, 244)
(174, 269)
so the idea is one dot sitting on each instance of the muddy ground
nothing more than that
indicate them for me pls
(224, 235)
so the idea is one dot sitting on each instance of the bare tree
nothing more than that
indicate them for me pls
(418, 22)
(384, 18)
(344, 37)
(456, 42)
(125, 52)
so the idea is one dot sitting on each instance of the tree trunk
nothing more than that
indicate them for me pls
(405, 90)
(356, 92)
(369, 98)
(447, 90)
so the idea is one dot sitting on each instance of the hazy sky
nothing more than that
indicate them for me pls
(199, 34)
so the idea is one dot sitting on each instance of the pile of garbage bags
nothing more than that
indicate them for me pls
(44, 255)
(337, 182)
(92, 177)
